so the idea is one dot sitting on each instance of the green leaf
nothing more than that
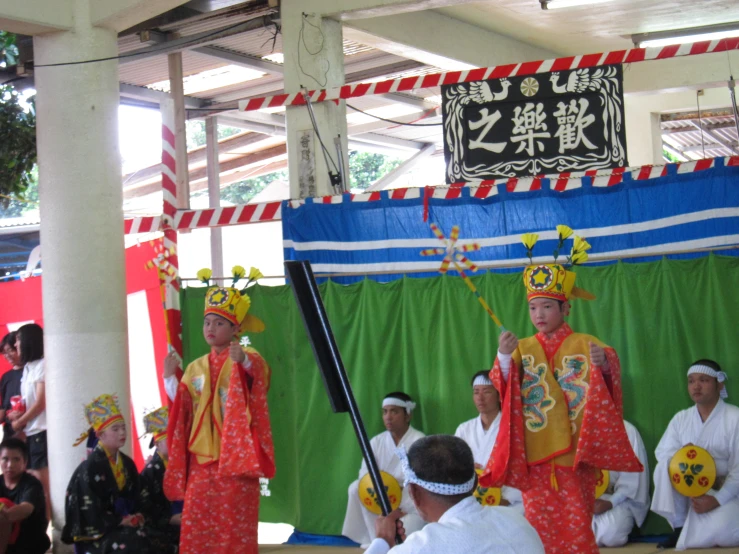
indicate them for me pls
(696, 468)
(683, 467)
(689, 479)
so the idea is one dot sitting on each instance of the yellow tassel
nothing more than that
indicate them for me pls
(82, 438)
(553, 479)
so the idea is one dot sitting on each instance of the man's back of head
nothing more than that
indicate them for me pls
(444, 471)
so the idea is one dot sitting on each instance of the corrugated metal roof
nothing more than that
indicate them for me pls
(718, 138)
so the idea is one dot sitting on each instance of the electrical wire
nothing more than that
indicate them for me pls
(394, 121)
(301, 40)
(152, 51)
(326, 155)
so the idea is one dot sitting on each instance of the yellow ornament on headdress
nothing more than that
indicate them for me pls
(156, 423)
(233, 304)
(564, 232)
(554, 280)
(204, 275)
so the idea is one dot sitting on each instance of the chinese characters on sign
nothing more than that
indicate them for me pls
(522, 126)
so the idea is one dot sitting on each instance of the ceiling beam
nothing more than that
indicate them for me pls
(198, 39)
(25, 18)
(119, 15)
(378, 125)
(356, 9)
(144, 94)
(357, 76)
(198, 176)
(712, 127)
(715, 136)
(195, 156)
(441, 41)
(242, 60)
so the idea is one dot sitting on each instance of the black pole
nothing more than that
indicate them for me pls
(332, 369)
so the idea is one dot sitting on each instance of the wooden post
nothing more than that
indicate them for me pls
(214, 192)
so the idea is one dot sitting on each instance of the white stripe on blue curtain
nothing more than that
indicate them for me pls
(674, 213)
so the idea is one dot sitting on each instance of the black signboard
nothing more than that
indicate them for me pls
(522, 126)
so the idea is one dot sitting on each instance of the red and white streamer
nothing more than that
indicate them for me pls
(170, 283)
(272, 211)
(632, 55)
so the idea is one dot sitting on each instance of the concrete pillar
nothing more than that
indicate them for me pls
(80, 194)
(314, 59)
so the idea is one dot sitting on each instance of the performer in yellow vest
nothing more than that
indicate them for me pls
(562, 413)
(219, 436)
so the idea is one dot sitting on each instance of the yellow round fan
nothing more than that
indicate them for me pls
(692, 471)
(368, 495)
(603, 479)
(486, 496)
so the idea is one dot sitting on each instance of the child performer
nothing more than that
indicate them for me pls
(219, 436)
(562, 414)
(159, 512)
(102, 507)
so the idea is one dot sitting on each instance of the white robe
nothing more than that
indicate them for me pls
(469, 528)
(359, 523)
(630, 499)
(719, 435)
(481, 442)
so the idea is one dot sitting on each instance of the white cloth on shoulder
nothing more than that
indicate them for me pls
(359, 523)
(472, 529)
(481, 443)
(630, 499)
(719, 435)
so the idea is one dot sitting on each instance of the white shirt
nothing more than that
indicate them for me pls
(632, 488)
(719, 435)
(170, 386)
(383, 447)
(470, 528)
(481, 442)
(33, 373)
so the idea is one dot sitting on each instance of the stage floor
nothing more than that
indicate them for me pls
(640, 548)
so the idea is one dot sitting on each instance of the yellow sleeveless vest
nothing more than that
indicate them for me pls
(553, 393)
(208, 408)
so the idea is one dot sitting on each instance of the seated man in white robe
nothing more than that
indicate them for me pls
(480, 433)
(625, 502)
(712, 519)
(440, 477)
(359, 522)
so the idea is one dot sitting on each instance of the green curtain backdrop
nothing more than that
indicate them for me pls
(428, 336)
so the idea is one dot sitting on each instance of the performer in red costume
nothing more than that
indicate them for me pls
(219, 436)
(562, 415)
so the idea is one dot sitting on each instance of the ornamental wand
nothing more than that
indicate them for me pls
(453, 255)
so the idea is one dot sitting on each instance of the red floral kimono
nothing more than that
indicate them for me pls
(220, 444)
(561, 419)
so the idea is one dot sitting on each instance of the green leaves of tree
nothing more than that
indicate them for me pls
(17, 143)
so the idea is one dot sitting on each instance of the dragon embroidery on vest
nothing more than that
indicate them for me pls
(572, 382)
(535, 394)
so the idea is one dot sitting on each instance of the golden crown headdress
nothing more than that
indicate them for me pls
(230, 302)
(156, 423)
(554, 280)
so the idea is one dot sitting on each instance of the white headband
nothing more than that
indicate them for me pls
(482, 380)
(720, 376)
(392, 401)
(438, 488)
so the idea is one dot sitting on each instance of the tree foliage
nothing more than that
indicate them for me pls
(17, 142)
(365, 168)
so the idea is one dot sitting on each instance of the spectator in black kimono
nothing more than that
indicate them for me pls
(103, 507)
(160, 513)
